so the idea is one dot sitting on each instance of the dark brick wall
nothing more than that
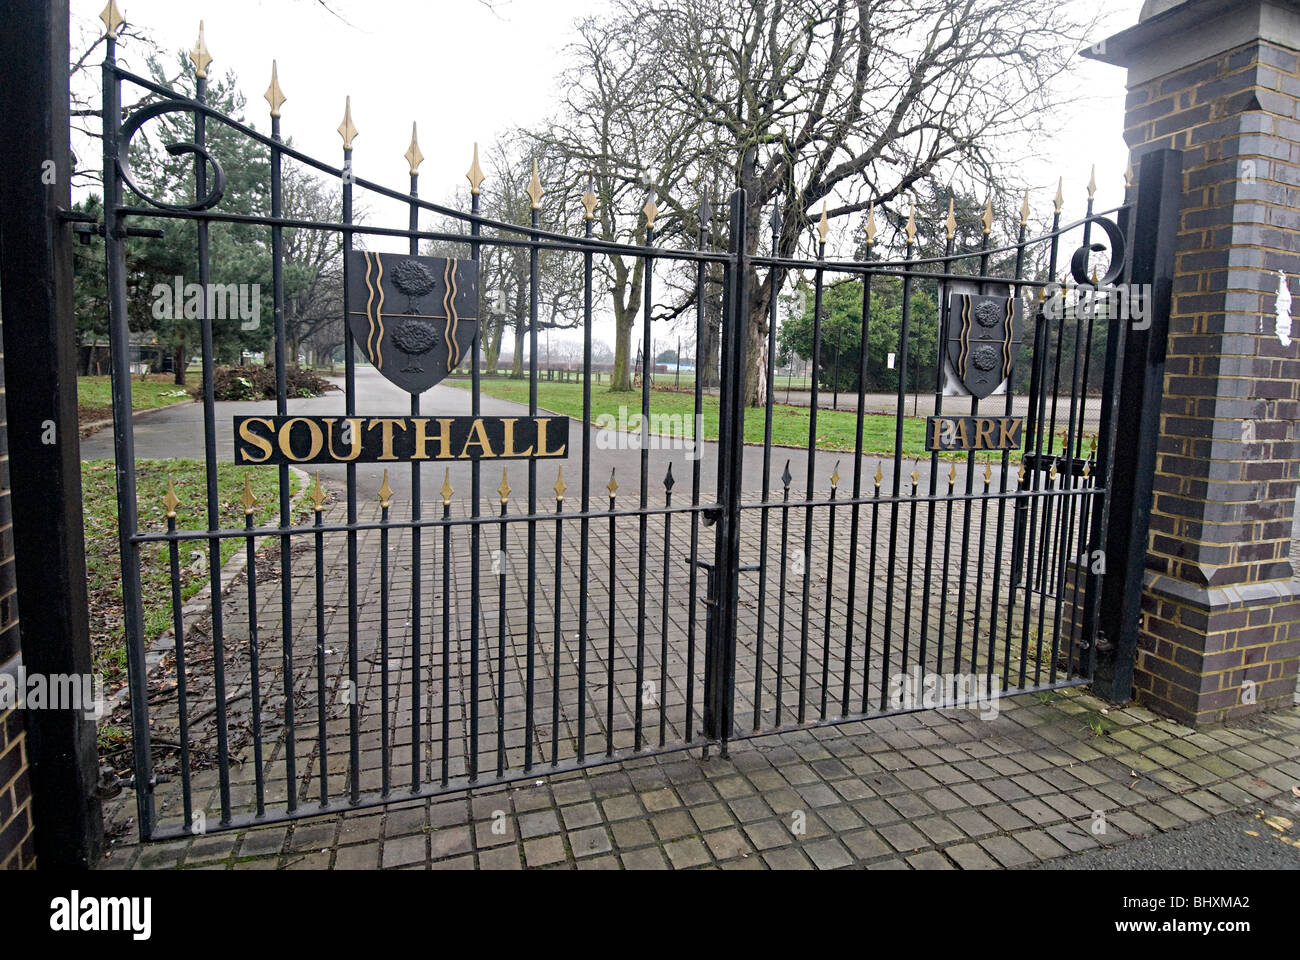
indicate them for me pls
(1221, 624)
(16, 838)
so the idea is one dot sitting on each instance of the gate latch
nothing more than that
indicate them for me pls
(712, 514)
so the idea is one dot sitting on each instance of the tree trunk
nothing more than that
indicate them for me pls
(179, 362)
(517, 361)
(620, 378)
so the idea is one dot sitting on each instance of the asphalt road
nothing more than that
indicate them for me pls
(1232, 841)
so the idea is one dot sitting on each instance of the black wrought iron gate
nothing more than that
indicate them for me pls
(538, 632)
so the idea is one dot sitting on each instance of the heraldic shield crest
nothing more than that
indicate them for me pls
(414, 318)
(983, 339)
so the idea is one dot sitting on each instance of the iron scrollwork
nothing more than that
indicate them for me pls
(142, 116)
(1079, 262)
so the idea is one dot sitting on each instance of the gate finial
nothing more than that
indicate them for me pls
(589, 199)
(112, 18)
(535, 188)
(951, 223)
(1024, 210)
(651, 211)
(446, 490)
(504, 489)
(346, 129)
(823, 225)
(274, 95)
(1092, 183)
(199, 56)
(413, 155)
(880, 475)
(318, 494)
(1060, 193)
(835, 476)
(385, 492)
(988, 215)
(559, 487)
(171, 501)
(246, 498)
(910, 229)
(612, 486)
(871, 223)
(475, 175)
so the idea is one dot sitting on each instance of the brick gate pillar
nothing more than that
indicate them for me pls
(1220, 622)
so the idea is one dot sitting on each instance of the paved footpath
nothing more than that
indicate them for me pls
(1049, 777)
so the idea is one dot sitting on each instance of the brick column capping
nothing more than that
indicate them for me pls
(1220, 622)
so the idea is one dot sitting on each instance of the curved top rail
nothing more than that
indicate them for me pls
(179, 101)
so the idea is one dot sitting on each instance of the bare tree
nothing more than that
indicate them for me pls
(847, 103)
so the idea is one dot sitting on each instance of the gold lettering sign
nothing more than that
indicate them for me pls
(315, 440)
(974, 433)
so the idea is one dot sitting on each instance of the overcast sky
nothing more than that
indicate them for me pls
(466, 72)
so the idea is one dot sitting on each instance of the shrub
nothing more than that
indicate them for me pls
(258, 383)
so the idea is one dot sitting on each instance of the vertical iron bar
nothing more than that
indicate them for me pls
(764, 510)
(609, 655)
(534, 254)
(584, 524)
(557, 637)
(642, 526)
(855, 513)
(501, 632)
(446, 625)
(385, 739)
(286, 515)
(663, 629)
(417, 551)
(320, 656)
(182, 695)
(811, 478)
(124, 445)
(254, 661)
(697, 438)
(210, 464)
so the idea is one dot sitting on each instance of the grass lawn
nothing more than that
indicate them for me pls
(789, 423)
(95, 395)
(103, 576)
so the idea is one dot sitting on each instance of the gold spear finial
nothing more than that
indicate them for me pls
(385, 492)
(910, 229)
(988, 215)
(112, 18)
(1020, 474)
(880, 474)
(246, 498)
(199, 56)
(413, 155)
(535, 188)
(170, 500)
(318, 494)
(274, 95)
(589, 201)
(446, 490)
(651, 211)
(1052, 473)
(1024, 209)
(612, 486)
(346, 129)
(916, 476)
(988, 472)
(951, 223)
(1092, 183)
(823, 225)
(1087, 469)
(559, 487)
(871, 223)
(504, 489)
(952, 473)
(835, 477)
(475, 175)
(1060, 193)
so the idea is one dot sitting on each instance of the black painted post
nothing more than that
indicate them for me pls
(45, 458)
(1141, 388)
